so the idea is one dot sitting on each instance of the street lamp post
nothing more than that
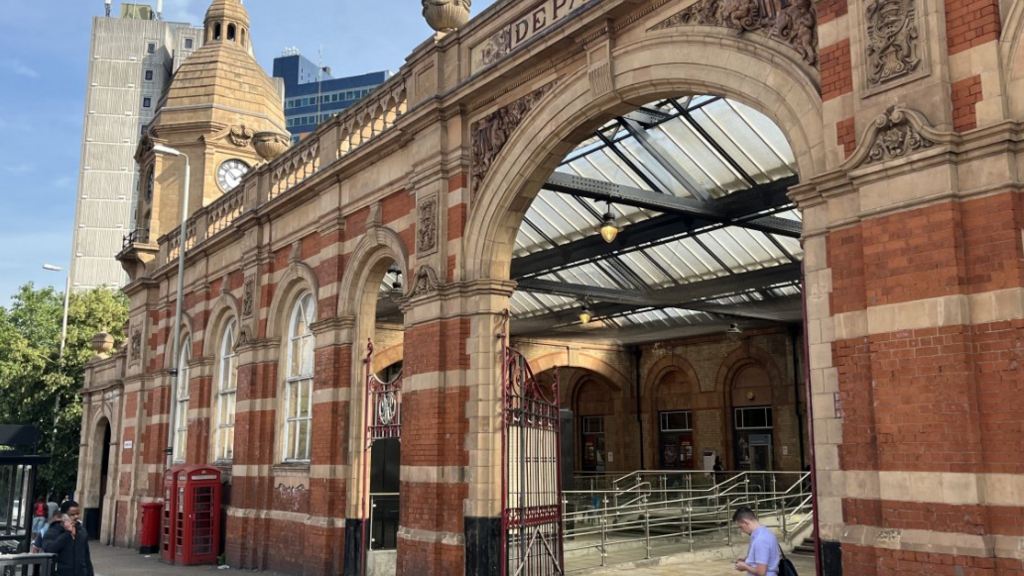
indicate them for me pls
(67, 295)
(171, 428)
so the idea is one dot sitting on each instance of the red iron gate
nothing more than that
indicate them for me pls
(531, 498)
(383, 417)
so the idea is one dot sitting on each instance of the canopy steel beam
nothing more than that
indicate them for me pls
(678, 174)
(673, 295)
(693, 296)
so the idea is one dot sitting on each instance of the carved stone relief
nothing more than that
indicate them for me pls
(895, 136)
(426, 282)
(792, 21)
(248, 291)
(892, 46)
(492, 132)
(136, 346)
(240, 136)
(245, 336)
(426, 231)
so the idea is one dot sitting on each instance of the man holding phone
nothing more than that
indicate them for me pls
(70, 542)
(763, 556)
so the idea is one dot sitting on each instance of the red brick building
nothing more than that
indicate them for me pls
(820, 217)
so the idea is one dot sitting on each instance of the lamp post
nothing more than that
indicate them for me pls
(171, 427)
(67, 294)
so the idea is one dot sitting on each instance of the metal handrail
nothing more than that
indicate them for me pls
(642, 516)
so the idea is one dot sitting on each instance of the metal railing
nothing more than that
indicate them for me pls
(28, 564)
(662, 512)
(137, 236)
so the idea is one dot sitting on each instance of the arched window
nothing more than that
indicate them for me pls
(181, 397)
(243, 37)
(231, 32)
(298, 393)
(216, 31)
(227, 387)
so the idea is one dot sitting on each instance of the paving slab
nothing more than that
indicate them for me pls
(112, 561)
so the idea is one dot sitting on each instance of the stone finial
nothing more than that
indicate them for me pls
(446, 15)
(103, 343)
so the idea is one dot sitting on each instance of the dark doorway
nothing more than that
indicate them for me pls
(94, 516)
(385, 458)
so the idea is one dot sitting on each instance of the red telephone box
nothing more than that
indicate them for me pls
(198, 529)
(169, 520)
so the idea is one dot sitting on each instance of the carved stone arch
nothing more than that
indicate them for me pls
(669, 63)
(615, 379)
(387, 357)
(743, 356)
(187, 331)
(661, 368)
(574, 387)
(379, 243)
(298, 278)
(224, 308)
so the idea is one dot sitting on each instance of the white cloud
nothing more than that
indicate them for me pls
(63, 182)
(18, 169)
(19, 68)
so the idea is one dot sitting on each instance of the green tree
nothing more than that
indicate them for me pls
(37, 385)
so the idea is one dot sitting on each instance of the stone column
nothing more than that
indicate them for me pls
(450, 479)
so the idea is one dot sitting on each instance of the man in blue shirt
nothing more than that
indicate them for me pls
(763, 557)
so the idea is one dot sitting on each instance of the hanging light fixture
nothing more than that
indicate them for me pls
(734, 332)
(585, 314)
(396, 285)
(608, 228)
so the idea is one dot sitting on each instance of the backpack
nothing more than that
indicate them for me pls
(41, 509)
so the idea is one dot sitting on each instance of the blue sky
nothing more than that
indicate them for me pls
(43, 62)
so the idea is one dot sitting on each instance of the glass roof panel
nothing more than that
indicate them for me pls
(733, 139)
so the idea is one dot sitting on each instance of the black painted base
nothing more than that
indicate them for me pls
(149, 549)
(831, 558)
(353, 548)
(483, 546)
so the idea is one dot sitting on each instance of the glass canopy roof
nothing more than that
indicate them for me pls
(707, 236)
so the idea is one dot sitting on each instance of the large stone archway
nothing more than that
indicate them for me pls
(664, 64)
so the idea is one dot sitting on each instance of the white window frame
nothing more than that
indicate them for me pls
(739, 420)
(227, 391)
(299, 381)
(663, 421)
(181, 395)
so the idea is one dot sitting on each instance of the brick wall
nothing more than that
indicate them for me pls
(836, 70)
(971, 23)
(831, 9)
(846, 136)
(965, 94)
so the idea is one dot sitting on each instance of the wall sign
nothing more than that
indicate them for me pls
(128, 444)
(538, 19)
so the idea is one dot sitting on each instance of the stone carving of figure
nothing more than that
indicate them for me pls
(743, 15)
(796, 24)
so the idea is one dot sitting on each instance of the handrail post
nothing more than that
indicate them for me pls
(604, 531)
(689, 525)
(647, 528)
(373, 506)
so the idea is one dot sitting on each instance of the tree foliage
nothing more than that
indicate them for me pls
(37, 385)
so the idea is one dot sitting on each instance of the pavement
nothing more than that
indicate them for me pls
(111, 561)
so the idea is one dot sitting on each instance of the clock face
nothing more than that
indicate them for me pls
(230, 174)
(150, 184)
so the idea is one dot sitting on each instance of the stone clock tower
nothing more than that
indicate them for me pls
(217, 103)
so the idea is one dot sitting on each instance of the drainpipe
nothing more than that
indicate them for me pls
(794, 333)
(810, 429)
(637, 354)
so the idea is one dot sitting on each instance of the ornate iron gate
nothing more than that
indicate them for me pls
(383, 417)
(531, 498)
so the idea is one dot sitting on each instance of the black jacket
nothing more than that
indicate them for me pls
(72, 553)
